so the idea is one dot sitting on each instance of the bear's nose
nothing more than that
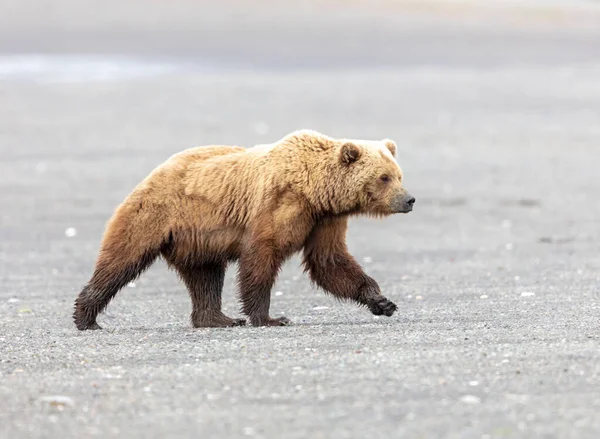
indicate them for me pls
(411, 200)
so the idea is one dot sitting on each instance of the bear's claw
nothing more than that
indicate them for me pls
(220, 320)
(382, 306)
(279, 321)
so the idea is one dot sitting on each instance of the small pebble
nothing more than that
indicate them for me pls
(13, 300)
(131, 284)
(58, 402)
(41, 167)
(279, 293)
(527, 294)
(261, 128)
(418, 297)
(483, 296)
(70, 232)
(470, 399)
(367, 259)
(319, 308)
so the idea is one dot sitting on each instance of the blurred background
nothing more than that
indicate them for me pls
(495, 107)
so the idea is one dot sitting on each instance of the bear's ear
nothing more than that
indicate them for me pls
(350, 153)
(391, 145)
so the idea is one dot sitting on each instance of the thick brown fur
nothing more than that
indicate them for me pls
(208, 206)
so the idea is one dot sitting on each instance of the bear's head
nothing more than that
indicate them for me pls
(370, 179)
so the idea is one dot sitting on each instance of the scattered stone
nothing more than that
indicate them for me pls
(13, 300)
(470, 399)
(57, 402)
(279, 293)
(483, 296)
(320, 308)
(70, 232)
(41, 167)
(528, 202)
(131, 284)
(261, 128)
(527, 294)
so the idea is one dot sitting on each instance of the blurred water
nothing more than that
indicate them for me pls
(50, 68)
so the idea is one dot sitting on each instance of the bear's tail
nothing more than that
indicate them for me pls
(130, 245)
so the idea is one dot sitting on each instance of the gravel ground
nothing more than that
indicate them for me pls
(496, 272)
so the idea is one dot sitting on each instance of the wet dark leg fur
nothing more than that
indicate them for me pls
(331, 267)
(258, 269)
(205, 284)
(111, 274)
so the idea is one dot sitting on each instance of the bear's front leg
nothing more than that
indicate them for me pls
(345, 279)
(333, 268)
(258, 268)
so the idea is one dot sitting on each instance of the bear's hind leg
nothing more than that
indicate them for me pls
(113, 271)
(205, 284)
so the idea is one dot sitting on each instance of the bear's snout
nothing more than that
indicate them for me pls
(403, 203)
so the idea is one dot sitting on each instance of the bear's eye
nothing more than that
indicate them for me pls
(385, 178)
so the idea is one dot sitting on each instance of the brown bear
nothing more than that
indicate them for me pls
(209, 206)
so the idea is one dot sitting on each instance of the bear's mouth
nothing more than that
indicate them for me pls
(405, 208)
